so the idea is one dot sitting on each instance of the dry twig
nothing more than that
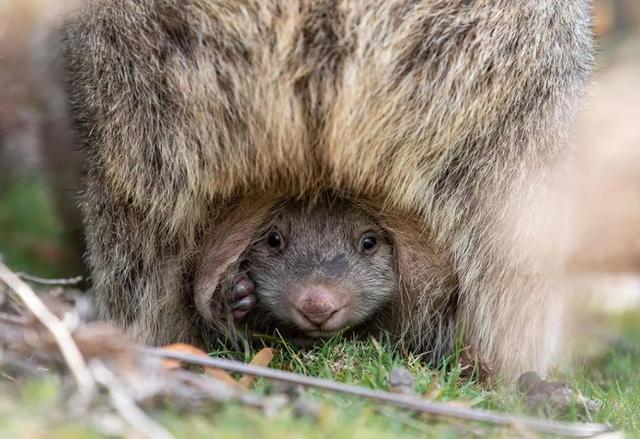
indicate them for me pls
(405, 401)
(55, 282)
(125, 406)
(64, 340)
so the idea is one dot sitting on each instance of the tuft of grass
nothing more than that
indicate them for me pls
(33, 408)
(614, 376)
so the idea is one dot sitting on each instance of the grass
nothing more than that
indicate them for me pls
(33, 408)
(614, 377)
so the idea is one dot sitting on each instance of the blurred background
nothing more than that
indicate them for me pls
(40, 229)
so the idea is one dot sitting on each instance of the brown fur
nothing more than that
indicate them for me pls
(443, 112)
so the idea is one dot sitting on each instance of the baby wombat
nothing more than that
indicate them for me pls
(317, 267)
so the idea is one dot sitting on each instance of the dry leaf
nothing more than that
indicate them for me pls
(262, 358)
(192, 350)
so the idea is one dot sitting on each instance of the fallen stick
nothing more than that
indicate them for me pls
(64, 340)
(55, 282)
(126, 407)
(405, 401)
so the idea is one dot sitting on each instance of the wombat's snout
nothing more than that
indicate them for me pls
(318, 311)
(317, 305)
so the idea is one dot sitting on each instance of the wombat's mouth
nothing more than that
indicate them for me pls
(324, 328)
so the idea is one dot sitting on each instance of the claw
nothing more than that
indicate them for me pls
(244, 287)
(245, 304)
(244, 297)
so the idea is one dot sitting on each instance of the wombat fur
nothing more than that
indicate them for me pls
(196, 115)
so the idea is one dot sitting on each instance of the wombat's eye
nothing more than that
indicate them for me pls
(274, 239)
(368, 242)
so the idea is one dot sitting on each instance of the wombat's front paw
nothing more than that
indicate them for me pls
(243, 297)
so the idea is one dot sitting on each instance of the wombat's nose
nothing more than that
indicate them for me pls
(317, 305)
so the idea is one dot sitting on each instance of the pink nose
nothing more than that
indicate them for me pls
(317, 305)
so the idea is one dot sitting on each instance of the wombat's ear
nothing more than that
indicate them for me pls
(227, 242)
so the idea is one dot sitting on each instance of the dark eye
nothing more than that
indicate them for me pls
(368, 242)
(274, 239)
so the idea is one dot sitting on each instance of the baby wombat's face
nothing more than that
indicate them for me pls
(322, 267)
